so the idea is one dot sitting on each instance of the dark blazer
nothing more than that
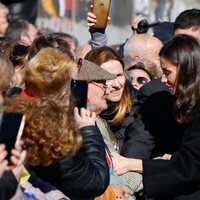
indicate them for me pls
(8, 186)
(178, 178)
(158, 118)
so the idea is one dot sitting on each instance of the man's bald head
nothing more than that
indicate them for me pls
(143, 46)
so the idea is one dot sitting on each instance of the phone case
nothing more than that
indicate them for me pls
(11, 129)
(101, 10)
(79, 91)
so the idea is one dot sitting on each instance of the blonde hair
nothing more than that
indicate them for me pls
(48, 73)
(123, 107)
(6, 72)
(50, 131)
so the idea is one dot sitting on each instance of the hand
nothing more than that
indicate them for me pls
(136, 22)
(17, 159)
(166, 156)
(120, 164)
(3, 161)
(121, 192)
(91, 19)
(85, 118)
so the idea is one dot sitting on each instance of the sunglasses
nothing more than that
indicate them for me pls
(20, 50)
(140, 79)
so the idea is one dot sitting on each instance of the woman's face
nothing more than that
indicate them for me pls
(138, 78)
(115, 86)
(169, 74)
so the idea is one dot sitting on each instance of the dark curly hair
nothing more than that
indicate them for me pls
(50, 131)
(183, 51)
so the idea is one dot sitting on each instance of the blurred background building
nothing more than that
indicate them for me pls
(70, 15)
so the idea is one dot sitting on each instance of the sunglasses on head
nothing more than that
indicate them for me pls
(140, 79)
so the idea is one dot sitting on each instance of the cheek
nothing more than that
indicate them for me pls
(172, 78)
(122, 80)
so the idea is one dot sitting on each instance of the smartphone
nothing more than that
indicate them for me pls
(79, 91)
(12, 125)
(101, 10)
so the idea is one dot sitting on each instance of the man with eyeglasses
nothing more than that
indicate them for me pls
(97, 84)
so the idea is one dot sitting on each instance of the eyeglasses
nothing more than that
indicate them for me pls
(140, 79)
(100, 84)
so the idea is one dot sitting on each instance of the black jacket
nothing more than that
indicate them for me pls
(133, 139)
(8, 186)
(178, 178)
(154, 130)
(138, 138)
(157, 115)
(84, 175)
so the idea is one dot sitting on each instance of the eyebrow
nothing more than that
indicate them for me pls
(119, 74)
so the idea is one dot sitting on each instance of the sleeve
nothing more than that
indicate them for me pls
(86, 173)
(8, 186)
(138, 142)
(37, 182)
(98, 38)
(181, 174)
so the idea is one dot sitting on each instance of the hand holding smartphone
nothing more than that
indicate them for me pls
(101, 10)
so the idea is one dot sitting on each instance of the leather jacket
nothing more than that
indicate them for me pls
(84, 175)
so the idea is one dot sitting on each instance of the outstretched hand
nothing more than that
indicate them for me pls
(120, 164)
(92, 20)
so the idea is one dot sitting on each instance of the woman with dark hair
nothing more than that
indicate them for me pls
(176, 176)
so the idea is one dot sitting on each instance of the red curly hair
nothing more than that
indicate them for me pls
(50, 131)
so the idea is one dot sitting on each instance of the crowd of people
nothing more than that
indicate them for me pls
(136, 136)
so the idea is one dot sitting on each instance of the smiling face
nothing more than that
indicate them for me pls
(116, 86)
(170, 71)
